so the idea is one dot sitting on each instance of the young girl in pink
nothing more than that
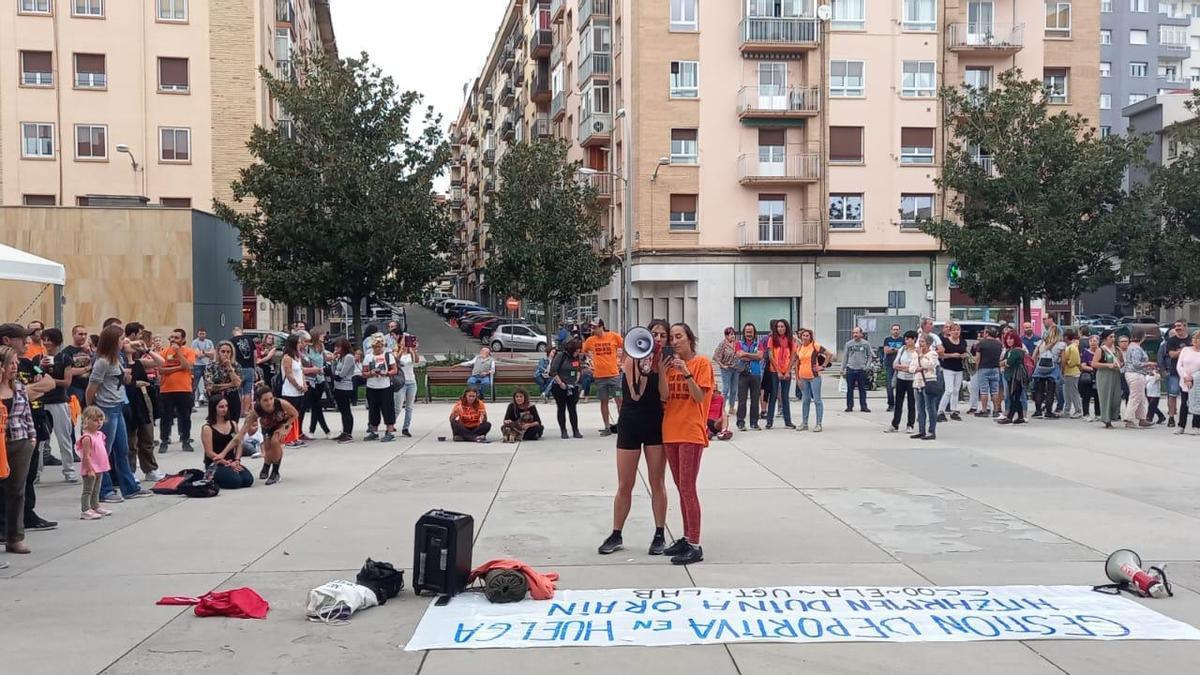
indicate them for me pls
(93, 455)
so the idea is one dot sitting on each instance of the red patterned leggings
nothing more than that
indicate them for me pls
(684, 460)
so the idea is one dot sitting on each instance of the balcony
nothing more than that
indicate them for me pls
(556, 10)
(794, 169)
(595, 129)
(456, 197)
(778, 35)
(596, 63)
(507, 94)
(778, 102)
(558, 106)
(603, 184)
(541, 127)
(593, 9)
(489, 157)
(489, 99)
(790, 236)
(284, 70)
(284, 12)
(473, 140)
(489, 186)
(556, 54)
(540, 91)
(508, 128)
(489, 122)
(986, 38)
(508, 57)
(1174, 39)
(541, 43)
(985, 163)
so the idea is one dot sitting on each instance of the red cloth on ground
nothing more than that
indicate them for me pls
(239, 603)
(541, 586)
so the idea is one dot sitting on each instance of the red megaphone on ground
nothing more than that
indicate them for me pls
(1124, 568)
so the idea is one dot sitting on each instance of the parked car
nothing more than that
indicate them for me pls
(458, 311)
(280, 337)
(487, 330)
(467, 320)
(478, 326)
(445, 306)
(518, 337)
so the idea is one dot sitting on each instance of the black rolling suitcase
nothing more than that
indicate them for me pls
(442, 552)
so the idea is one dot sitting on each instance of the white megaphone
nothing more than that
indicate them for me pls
(639, 343)
(1124, 568)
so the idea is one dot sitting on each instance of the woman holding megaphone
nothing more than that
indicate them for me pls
(640, 431)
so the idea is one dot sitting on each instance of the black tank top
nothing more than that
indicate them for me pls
(650, 402)
(219, 441)
(955, 365)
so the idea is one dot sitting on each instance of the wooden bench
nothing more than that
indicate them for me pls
(506, 373)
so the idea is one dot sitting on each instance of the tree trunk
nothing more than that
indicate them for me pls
(1026, 311)
(549, 319)
(356, 329)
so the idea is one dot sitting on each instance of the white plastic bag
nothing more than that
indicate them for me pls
(842, 385)
(337, 600)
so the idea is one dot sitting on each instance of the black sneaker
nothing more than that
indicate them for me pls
(162, 448)
(866, 410)
(755, 427)
(345, 438)
(273, 479)
(612, 544)
(1036, 415)
(1019, 420)
(51, 460)
(929, 437)
(679, 546)
(266, 471)
(918, 436)
(848, 410)
(693, 554)
(404, 432)
(956, 417)
(564, 435)
(983, 413)
(941, 417)
(891, 408)
(741, 426)
(1170, 421)
(1004, 421)
(41, 524)
(576, 434)
(657, 545)
(1051, 416)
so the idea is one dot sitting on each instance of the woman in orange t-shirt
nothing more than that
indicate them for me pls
(468, 419)
(781, 348)
(686, 386)
(811, 359)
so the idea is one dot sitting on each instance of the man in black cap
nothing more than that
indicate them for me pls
(36, 384)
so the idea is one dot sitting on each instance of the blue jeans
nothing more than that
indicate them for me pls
(247, 375)
(888, 371)
(729, 384)
(856, 378)
(405, 397)
(927, 405)
(585, 383)
(780, 390)
(117, 436)
(543, 383)
(198, 382)
(481, 382)
(810, 392)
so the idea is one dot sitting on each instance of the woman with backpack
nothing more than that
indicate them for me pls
(811, 358)
(1108, 362)
(1047, 372)
(928, 387)
(1016, 377)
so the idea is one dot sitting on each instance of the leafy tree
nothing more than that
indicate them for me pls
(1037, 220)
(342, 207)
(546, 227)
(1161, 244)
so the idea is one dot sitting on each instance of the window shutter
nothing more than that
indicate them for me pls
(845, 144)
(89, 63)
(772, 137)
(173, 72)
(683, 134)
(916, 137)
(36, 62)
(683, 203)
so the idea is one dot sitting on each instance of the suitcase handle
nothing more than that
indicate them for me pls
(421, 571)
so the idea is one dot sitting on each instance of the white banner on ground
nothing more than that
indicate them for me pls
(684, 616)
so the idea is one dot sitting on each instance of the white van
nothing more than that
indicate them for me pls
(450, 303)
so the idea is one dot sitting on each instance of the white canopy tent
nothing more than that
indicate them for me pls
(18, 265)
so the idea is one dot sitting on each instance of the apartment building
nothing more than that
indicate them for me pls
(773, 156)
(146, 98)
(1191, 64)
(1145, 50)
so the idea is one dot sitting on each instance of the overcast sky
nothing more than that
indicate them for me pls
(432, 47)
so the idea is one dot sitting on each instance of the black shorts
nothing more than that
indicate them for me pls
(636, 429)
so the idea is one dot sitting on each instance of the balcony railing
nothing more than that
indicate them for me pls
(37, 79)
(558, 106)
(787, 235)
(456, 197)
(556, 53)
(792, 168)
(540, 43)
(507, 92)
(603, 184)
(284, 70)
(489, 99)
(508, 57)
(596, 63)
(986, 163)
(998, 38)
(540, 91)
(541, 127)
(1173, 38)
(778, 33)
(284, 12)
(593, 8)
(595, 128)
(508, 127)
(489, 157)
(778, 101)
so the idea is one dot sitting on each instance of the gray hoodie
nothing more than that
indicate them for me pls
(857, 355)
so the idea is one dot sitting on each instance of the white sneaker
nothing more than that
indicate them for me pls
(1076, 415)
(90, 515)
(155, 476)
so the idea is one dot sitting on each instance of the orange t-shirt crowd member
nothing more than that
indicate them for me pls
(684, 419)
(470, 416)
(604, 354)
(781, 355)
(806, 353)
(180, 380)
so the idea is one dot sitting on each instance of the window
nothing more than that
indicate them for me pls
(38, 139)
(914, 207)
(920, 15)
(685, 79)
(1169, 72)
(772, 152)
(1175, 37)
(918, 78)
(1106, 69)
(1139, 37)
(683, 146)
(1138, 68)
(90, 141)
(978, 78)
(595, 99)
(1139, 5)
(1055, 82)
(916, 145)
(1195, 73)
(1172, 149)
(846, 211)
(88, 8)
(683, 212)
(90, 71)
(1105, 131)
(771, 209)
(82, 201)
(846, 78)
(1137, 98)
(846, 145)
(1106, 6)
(1058, 19)
(683, 15)
(849, 14)
(1106, 101)
(172, 74)
(172, 10)
(175, 202)
(1106, 36)
(36, 70)
(35, 6)
(39, 200)
(175, 145)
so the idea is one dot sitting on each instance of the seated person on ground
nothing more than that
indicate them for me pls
(718, 420)
(468, 419)
(521, 420)
(223, 448)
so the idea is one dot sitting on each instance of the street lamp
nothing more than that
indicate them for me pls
(121, 147)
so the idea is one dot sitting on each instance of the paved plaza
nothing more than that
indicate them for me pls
(984, 505)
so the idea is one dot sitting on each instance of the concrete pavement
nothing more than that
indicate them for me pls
(1041, 504)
